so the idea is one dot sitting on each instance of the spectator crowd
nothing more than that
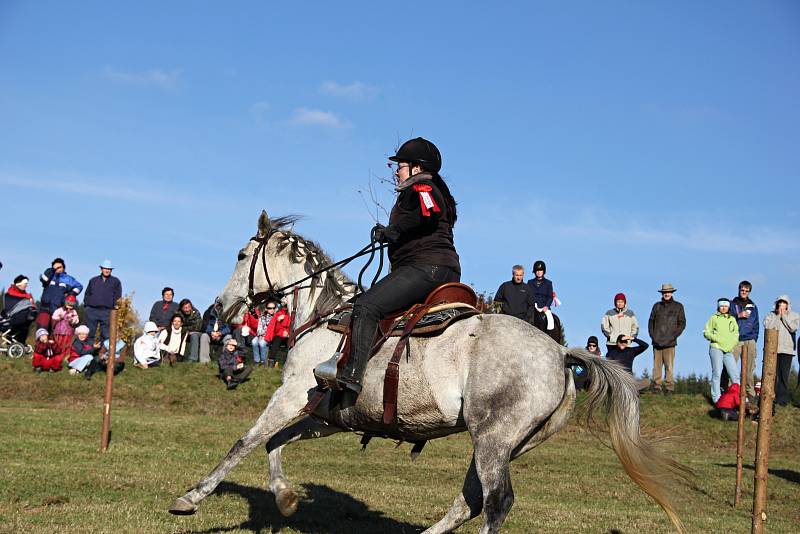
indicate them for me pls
(732, 330)
(174, 331)
(177, 331)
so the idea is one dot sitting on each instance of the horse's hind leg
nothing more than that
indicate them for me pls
(492, 466)
(309, 428)
(467, 505)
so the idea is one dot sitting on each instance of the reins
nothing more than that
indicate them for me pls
(255, 299)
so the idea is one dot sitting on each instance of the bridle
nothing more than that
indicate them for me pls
(254, 299)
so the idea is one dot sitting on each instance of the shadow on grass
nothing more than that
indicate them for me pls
(786, 474)
(322, 509)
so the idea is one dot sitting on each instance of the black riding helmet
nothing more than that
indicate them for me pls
(539, 266)
(420, 151)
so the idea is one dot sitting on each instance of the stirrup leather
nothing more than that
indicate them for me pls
(325, 373)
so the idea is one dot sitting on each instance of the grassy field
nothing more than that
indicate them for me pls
(171, 426)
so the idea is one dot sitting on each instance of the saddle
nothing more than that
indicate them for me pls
(434, 321)
(442, 307)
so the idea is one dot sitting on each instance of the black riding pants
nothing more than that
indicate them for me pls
(783, 392)
(404, 286)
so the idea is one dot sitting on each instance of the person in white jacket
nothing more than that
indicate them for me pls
(786, 322)
(146, 351)
(619, 321)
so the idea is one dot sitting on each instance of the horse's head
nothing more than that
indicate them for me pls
(234, 295)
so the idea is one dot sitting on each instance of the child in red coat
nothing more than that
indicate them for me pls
(728, 404)
(62, 325)
(44, 356)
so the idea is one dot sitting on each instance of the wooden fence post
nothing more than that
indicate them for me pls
(110, 363)
(740, 431)
(764, 430)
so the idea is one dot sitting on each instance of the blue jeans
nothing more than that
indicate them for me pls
(718, 359)
(259, 349)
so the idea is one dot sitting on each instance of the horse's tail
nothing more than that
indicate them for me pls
(613, 391)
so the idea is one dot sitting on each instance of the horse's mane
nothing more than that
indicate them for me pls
(302, 250)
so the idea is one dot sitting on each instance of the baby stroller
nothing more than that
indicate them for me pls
(17, 318)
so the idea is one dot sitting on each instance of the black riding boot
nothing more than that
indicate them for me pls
(364, 324)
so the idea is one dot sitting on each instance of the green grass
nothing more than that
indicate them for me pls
(171, 426)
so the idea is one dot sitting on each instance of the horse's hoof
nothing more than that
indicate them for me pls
(287, 502)
(183, 506)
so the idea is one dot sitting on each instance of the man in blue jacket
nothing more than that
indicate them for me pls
(56, 284)
(102, 294)
(746, 313)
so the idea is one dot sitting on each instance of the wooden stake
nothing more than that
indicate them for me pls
(110, 363)
(764, 430)
(740, 432)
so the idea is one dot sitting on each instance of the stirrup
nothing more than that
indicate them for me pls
(325, 373)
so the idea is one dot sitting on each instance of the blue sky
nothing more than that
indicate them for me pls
(625, 143)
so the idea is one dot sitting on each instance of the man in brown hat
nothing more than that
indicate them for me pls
(667, 321)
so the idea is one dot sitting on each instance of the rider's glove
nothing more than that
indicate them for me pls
(384, 234)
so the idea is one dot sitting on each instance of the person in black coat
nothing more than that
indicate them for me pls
(421, 253)
(667, 322)
(623, 353)
(515, 296)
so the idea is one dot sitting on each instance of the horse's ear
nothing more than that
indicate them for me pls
(264, 224)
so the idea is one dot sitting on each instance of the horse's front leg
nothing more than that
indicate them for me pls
(276, 416)
(285, 497)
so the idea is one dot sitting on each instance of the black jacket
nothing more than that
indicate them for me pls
(419, 234)
(515, 299)
(667, 321)
(625, 356)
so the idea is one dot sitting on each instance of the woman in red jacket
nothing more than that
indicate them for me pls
(257, 323)
(277, 336)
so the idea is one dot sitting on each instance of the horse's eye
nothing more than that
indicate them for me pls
(242, 255)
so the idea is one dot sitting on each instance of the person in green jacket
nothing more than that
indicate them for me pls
(722, 331)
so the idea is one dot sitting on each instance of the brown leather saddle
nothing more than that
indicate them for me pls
(444, 305)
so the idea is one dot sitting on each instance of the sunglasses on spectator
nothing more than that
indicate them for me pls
(592, 345)
(270, 307)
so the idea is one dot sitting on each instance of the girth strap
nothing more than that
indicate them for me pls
(392, 378)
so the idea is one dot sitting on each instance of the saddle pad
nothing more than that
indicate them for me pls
(437, 319)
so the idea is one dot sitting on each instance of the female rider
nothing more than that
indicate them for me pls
(421, 252)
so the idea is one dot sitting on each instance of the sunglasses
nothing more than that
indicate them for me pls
(397, 166)
(270, 307)
(592, 345)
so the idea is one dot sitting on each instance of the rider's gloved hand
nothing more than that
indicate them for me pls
(383, 234)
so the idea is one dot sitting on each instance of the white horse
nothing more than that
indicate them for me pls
(494, 376)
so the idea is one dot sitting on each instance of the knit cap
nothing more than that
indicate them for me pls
(82, 329)
(620, 296)
(227, 338)
(41, 332)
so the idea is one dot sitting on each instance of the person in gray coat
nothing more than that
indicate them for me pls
(786, 322)
(667, 322)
